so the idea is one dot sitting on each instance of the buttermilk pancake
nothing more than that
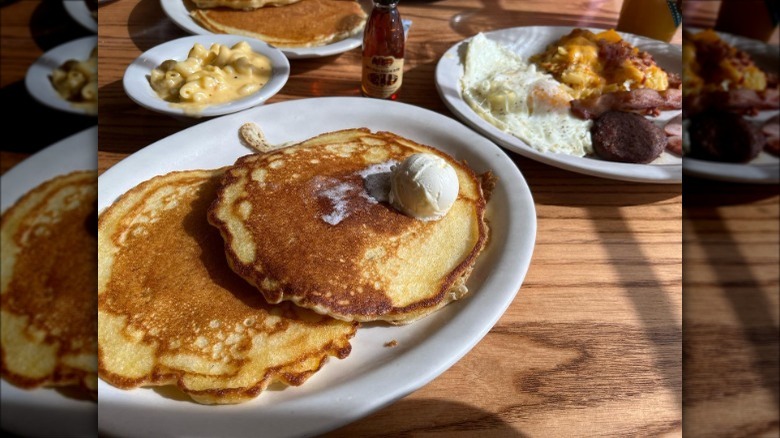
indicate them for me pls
(311, 224)
(170, 310)
(307, 23)
(47, 242)
(241, 4)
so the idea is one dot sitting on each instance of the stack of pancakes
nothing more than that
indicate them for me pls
(48, 285)
(282, 23)
(315, 252)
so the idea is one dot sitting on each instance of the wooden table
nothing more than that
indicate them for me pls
(593, 343)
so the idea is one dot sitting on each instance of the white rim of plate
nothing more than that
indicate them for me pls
(136, 77)
(448, 86)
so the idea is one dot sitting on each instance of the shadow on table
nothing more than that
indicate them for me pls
(50, 26)
(430, 417)
(149, 26)
(634, 260)
(720, 361)
(31, 126)
(127, 127)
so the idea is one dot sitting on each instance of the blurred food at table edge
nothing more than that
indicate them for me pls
(728, 101)
(76, 81)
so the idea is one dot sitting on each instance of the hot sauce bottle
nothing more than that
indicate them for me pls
(383, 51)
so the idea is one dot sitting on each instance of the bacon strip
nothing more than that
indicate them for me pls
(772, 131)
(641, 100)
(673, 131)
(741, 101)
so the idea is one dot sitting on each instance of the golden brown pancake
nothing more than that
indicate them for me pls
(240, 4)
(170, 310)
(301, 225)
(48, 274)
(307, 23)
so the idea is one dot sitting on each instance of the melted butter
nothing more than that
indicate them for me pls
(207, 77)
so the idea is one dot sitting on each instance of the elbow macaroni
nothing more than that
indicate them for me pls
(76, 81)
(217, 75)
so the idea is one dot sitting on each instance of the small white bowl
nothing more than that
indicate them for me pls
(137, 86)
(38, 82)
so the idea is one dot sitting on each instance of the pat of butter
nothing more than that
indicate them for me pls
(424, 187)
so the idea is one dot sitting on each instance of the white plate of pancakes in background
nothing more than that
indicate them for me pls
(80, 11)
(179, 11)
(765, 167)
(373, 375)
(47, 411)
(528, 41)
(137, 85)
(38, 78)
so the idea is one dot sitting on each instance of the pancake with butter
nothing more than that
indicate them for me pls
(171, 311)
(307, 23)
(47, 306)
(311, 224)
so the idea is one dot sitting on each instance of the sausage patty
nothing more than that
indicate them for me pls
(724, 136)
(627, 137)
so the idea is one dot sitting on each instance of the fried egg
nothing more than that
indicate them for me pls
(515, 97)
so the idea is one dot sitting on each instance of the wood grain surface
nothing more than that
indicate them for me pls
(593, 343)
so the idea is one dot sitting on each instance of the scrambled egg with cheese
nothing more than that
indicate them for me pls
(594, 64)
(711, 64)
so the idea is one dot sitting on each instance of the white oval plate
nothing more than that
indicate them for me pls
(373, 376)
(37, 79)
(765, 168)
(45, 411)
(527, 41)
(78, 10)
(136, 78)
(179, 13)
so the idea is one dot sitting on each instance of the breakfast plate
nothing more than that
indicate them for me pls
(138, 88)
(527, 41)
(79, 11)
(38, 82)
(765, 168)
(46, 411)
(179, 12)
(373, 376)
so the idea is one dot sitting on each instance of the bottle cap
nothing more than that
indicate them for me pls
(386, 2)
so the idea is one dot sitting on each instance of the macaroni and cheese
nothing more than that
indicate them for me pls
(76, 82)
(217, 75)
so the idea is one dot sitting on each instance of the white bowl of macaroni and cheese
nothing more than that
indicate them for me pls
(206, 75)
(65, 77)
